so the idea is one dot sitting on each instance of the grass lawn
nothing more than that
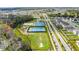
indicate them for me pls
(72, 37)
(70, 33)
(19, 34)
(66, 32)
(39, 41)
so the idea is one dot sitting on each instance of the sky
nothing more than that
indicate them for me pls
(39, 3)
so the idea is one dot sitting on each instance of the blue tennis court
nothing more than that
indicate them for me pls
(39, 24)
(37, 29)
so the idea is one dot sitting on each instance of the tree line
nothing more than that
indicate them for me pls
(19, 20)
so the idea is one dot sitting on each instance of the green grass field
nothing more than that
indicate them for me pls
(39, 41)
(19, 34)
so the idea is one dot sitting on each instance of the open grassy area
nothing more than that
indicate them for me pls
(19, 34)
(39, 41)
(72, 37)
(68, 33)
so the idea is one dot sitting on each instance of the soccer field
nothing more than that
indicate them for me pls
(39, 41)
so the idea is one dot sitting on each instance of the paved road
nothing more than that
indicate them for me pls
(61, 39)
(67, 48)
(58, 47)
(51, 39)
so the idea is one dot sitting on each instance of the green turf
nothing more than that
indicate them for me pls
(70, 33)
(73, 37)
(19, 34)
(38, 38)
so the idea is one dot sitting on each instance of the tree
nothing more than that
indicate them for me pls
(59, 27)
(19, 20)
(65, 14)
(59, 14)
